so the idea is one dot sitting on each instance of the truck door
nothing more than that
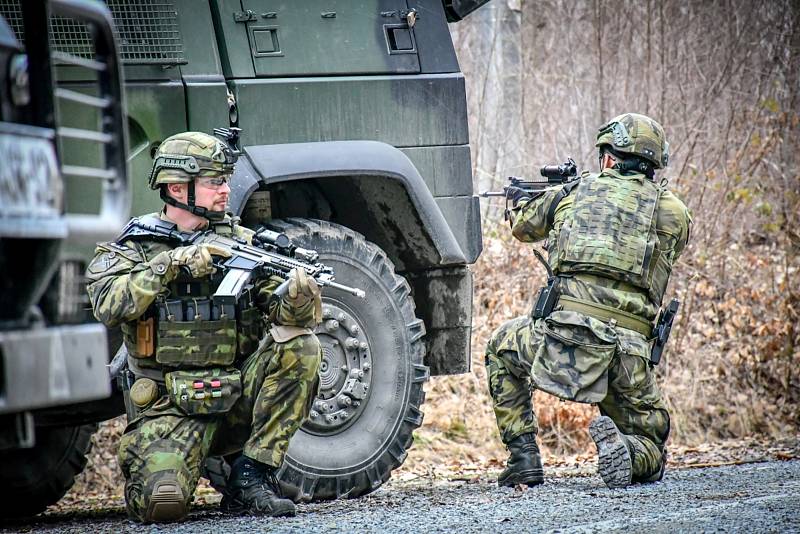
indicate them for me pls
(329, 37)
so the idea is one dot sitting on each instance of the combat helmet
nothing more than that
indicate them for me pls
(636, 135)
(185, 156)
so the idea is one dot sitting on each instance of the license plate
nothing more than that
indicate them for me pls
(30, 182)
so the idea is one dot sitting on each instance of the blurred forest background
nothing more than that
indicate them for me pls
(723, 77)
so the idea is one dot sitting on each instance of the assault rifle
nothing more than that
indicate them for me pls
(271, 253)
(518, 188)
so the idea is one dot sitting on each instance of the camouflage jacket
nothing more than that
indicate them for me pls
(672, 221)
(122, 284)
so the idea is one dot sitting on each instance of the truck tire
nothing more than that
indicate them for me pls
(371, 376)
(33, 479)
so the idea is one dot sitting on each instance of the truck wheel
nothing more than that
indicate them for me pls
(32, 479)
(371, 376)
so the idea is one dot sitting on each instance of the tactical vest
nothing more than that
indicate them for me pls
(185, 329)
(611, 232)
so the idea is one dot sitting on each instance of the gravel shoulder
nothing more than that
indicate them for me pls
(748, 497)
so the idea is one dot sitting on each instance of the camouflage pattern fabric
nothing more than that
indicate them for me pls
(279, 382)
(672, 222)
(277, 385)
(581, 358)
(523, 354)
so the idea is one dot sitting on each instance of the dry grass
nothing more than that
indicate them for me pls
(730, 370)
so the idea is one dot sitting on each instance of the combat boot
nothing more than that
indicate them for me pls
(253, 488)
(614, 458)
(524, 465)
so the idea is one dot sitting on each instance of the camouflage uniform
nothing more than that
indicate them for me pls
(278, 375)
(575, 353)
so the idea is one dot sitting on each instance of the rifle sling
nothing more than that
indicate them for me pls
(563, 192)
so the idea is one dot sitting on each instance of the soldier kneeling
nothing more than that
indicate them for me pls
(209, 379)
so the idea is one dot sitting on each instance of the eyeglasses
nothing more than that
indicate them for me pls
(214, 182)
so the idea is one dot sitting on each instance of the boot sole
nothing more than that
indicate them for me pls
(531, 477)
(166, 503)
(613, 458)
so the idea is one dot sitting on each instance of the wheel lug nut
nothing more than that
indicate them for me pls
(313, 414)
(363, 345)
(351, 343)
(332, 325)
(341, 317)
(329, 418)
(354, 329)
(326, 313)
(366, 366)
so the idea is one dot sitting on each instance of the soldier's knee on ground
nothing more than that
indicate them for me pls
(158, 498)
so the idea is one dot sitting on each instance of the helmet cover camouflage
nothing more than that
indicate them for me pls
(637, 135)
(188, 155)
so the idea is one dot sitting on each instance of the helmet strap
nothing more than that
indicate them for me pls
(190, 205)
(635, 166)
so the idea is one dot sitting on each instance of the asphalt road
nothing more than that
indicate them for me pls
(756, 497)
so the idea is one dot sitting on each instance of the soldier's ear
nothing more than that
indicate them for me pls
(177, 191)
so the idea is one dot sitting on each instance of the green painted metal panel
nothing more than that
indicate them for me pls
(436, 51)
(330, 37)
(446, 169)
(197, 33)
(207, 104)
(400, 110)
(232, 39)
(155, 111)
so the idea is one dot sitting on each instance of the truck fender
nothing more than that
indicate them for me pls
(395, 207)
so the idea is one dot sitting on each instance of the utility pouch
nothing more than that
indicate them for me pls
(145, 338)
(190, 344)
(204, 391)
(546, 299)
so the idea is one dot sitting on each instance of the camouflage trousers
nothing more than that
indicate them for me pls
(279, 383)
(579, 358)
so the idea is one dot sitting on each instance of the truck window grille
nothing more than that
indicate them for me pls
(147, 31)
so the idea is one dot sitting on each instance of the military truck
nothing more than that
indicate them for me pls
(50, 361)
(355, 144)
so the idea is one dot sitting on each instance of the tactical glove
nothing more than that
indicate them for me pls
(196, 259)
(302, 289)
(517, 196)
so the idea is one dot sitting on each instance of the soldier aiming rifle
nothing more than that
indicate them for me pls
(612, 239)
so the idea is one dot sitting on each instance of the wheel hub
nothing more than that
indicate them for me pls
(344, 373)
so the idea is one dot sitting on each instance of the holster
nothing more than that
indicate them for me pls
(546, 299)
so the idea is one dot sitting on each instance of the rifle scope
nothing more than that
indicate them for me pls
(559, 172)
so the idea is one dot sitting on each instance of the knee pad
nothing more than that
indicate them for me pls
(160, 499)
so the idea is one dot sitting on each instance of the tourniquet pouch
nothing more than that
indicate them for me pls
(204, 391)
(198, 343)
(572, 359)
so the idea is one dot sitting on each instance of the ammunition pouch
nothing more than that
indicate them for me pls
(204, 391)
(187, 344)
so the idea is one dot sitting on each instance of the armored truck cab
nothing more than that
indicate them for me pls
(355, 141)
(50, 362)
